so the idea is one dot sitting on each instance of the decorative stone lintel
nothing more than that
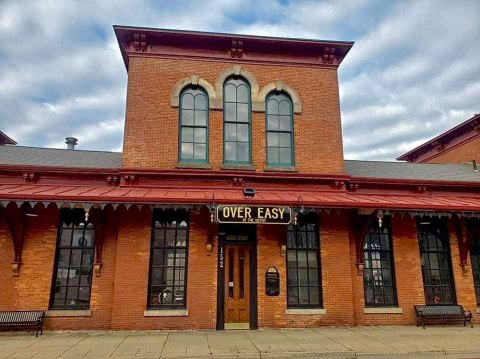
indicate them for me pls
(165, 313)
(68, 313)
(383, 310)
(319, 311)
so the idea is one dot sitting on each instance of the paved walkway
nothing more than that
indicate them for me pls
(359, 342)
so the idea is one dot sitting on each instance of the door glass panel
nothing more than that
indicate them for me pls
(242, 272)
(230, 272)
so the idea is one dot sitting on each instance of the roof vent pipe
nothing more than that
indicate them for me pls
(71, 143)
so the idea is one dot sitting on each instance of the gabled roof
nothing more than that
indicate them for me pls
(37, 156)
(461, 133)
(5, 140)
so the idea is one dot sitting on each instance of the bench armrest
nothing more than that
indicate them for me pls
(467, 313)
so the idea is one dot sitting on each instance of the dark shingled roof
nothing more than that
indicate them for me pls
(35, 156)
(412, 171)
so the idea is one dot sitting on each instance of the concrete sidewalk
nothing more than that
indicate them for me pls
(359, 342)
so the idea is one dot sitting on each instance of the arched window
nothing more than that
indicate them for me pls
(279, 130)
(378, 273)
(236, 119)
(193, 125)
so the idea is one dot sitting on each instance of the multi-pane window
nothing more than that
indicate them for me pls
(435, 257)
(193, 125)
(168, 259)
(303, 270)
(475, 258)
(378, 273)
(237, 118)
(279, 130)
(73, 262)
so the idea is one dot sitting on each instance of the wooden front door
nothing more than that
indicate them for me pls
(237, 286)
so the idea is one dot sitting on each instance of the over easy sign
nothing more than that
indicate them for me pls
(248, 214)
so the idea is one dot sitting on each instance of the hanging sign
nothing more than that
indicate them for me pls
(272, 282)
(249, 214)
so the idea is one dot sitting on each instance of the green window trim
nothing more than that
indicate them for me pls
(193, 133)
(237, 121)
(279, 130)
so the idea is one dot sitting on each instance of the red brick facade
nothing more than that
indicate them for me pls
(119, 292)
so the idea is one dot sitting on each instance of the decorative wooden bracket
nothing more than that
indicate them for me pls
(238, 181)
(328, 55)
(421, 189)
(16, 222)
(236, 49)
(476, 125)
(463, 228)
(352, 187)
(129, 179)
(113, 180)
(338, 184)
(439, 146)
(361, 225)
(29, 177)
(140, 42)
(98, 218)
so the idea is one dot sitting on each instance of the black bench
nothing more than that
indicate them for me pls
(442, 314)
(25, 319)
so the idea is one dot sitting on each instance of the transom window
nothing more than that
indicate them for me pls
(435, 256)
(73, 261)
(237, 118)
(475, 258)
(378, 273)
(168, 259)
(279, 130)
(193, 125)
(303, 270)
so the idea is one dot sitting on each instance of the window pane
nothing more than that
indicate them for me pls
(200, 135)
(285, 155)
(284, 108)
(200, 102)
(230, 151)
(230, 132)
(230, 112)
(187, 151)
(66, 238)
(272, 107)
(168, 265)
(303, 274)
(285, 123)
(272, 139)
(187, 101)
(200, 152)
(230, 93)
(242, 132)
(187, 117)
(242, 94)
(284, 140)
(200, 118)
(242, 112)
(272, 123)
(243, 152)
(187, 134)
(273, 155)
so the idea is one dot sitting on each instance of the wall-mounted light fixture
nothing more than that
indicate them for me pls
(249, 192)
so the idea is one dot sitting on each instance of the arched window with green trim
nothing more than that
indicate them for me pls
(237, 121)
(279, 113)
(193, 134)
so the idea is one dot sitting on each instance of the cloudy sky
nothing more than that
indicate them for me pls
(413, 72)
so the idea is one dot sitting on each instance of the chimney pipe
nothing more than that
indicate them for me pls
(71, 143)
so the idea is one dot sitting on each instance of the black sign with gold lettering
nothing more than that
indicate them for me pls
(272, 282)
(250, 214)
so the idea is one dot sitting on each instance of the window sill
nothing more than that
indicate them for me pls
(200, 166)
(165, 313)
(383, 310)
(280, 169)
(478, 310)
(317, 311)
(237, 167)
(68, 313)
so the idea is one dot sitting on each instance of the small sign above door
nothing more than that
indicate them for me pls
(249, 214)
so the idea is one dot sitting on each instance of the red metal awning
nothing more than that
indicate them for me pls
(287, 197)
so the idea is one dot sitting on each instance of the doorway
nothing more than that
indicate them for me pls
(237, 285)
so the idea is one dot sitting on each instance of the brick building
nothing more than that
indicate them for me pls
(231, 205)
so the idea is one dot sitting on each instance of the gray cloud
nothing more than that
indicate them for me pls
(413, 72)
